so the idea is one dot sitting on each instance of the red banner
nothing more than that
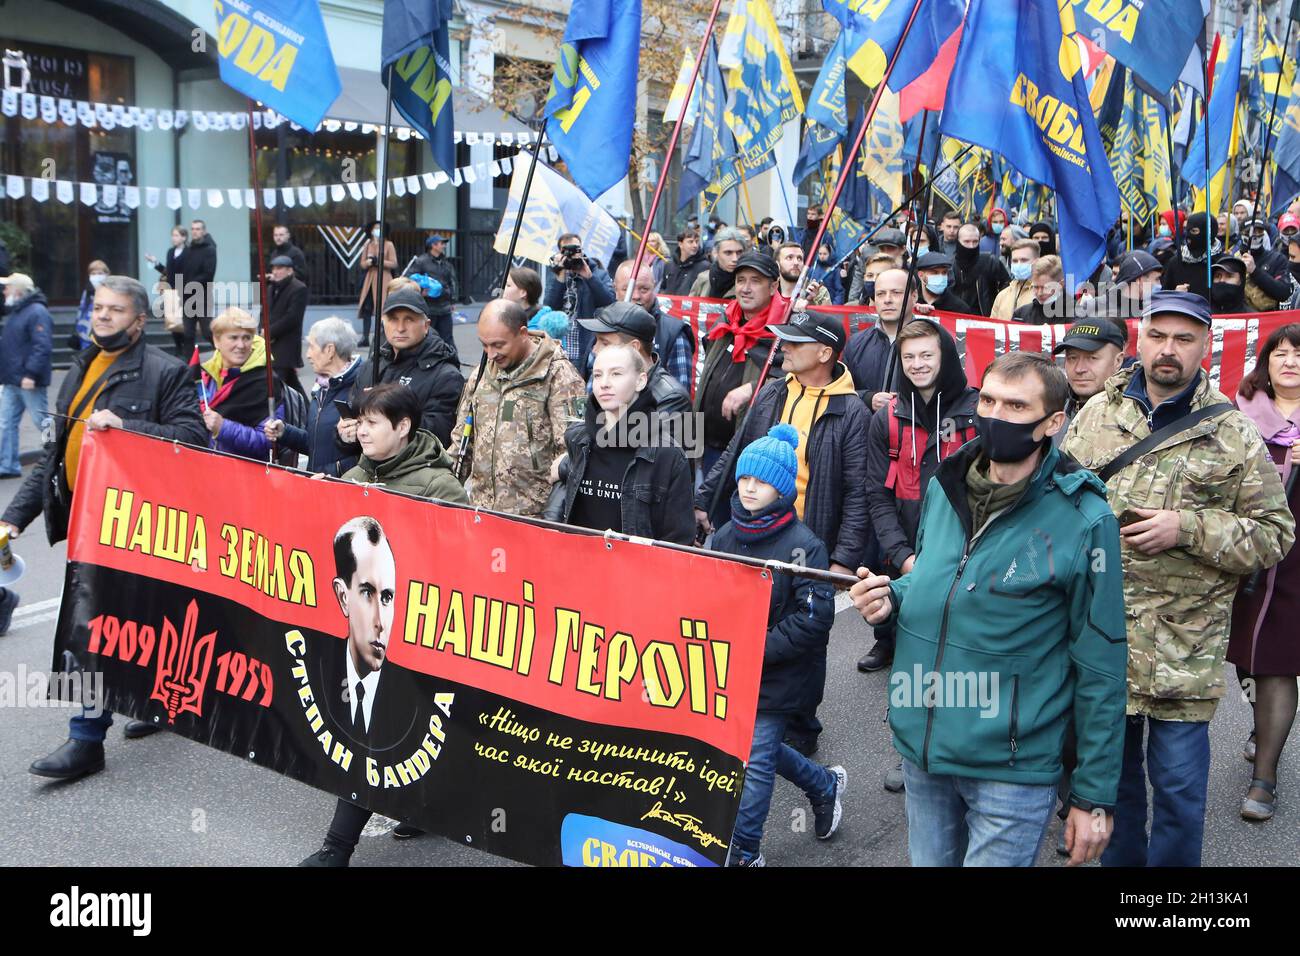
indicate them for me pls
(1237, 338)
(242, 605)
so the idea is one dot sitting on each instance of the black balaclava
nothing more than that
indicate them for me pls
(1201, 231)
(1048, 247)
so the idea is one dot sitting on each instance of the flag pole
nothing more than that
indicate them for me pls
(382, 242)
(846, 169)
(1205, 125)
(672, 148)
(1272, 109)
(261, 271)
(1173, 180)
(467, 430)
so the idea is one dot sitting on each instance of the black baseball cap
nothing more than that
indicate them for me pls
(1136, 264)
(761, 263)
(1170, 302)
(404, 299)
(1090, 335)
(625, 317)
(812, 327)
(1229, 263)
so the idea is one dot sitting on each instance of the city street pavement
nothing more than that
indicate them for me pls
(164, 800)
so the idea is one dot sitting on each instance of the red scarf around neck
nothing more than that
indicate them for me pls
(746, 333)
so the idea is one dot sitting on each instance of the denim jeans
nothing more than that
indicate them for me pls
(962, 821)
(14, 400)
(769, 757)
(1178, 764)
(92, 729)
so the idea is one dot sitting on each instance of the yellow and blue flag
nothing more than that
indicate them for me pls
(1224, 132)
(882, 150)
(678, 108)
(277, 52)
(873, 28)
(1271, 75)
(762, 92)
(592, 102)
(1286, 180)
(416, 44)
(1017, 87)
(1151, 37)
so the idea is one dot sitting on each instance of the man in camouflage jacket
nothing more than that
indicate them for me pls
(530, 393)
(1199, 511)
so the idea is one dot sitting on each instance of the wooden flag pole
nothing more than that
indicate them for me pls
(672, 147)
(846, 169)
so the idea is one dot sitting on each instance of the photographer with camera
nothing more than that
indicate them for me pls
(578, 288)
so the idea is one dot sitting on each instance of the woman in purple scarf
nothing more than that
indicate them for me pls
(1265, 643)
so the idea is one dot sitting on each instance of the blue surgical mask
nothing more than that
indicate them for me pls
(1020, 270)
(997, 228)
(936, 284)
(1164, 232)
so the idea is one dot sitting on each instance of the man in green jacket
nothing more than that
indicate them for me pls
(1016, 628)
(1200, 508)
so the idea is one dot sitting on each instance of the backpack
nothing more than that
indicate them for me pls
(904, 477)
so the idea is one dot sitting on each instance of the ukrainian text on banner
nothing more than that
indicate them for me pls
(1237, 339)
(507, 686)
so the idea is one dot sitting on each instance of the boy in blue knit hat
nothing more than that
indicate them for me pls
(764, 525)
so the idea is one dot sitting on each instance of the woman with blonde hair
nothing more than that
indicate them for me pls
(232, 387)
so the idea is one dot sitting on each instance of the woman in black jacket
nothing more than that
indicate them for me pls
(623, 473)
(169, 268)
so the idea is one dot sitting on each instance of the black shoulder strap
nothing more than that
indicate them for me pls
(1154, 440)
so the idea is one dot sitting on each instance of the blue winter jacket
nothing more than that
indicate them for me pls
(26, 341)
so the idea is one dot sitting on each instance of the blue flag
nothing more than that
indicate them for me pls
(592, 103)
(416, 44)
(276, 52)
(1286, 183)
(1151, 38)
(827, 114)
(711, 139)
(1017, 88)
(872, 29)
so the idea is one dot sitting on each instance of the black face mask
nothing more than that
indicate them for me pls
(112, 343)
(1047, 247)
(1195, 242)
(1295, 269)
(869, 288)
(964, 255)
(1226, 293)
(1007, 442)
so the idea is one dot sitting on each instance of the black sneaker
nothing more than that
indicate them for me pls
(8, 601)
(877, 659)
(326, 856)
(746, 860)
(404, 831)
(826, 814)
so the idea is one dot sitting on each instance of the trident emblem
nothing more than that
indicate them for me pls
(183, 665)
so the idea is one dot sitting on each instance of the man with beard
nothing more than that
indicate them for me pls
(1186, 271)
(719, 281)
(1200, 505)
(691, 261)
(978, 277)
(789, 259)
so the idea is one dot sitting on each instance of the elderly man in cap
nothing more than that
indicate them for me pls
(1200, 505)
(735, 357)
(935, 272)
(415, 356)
(26, 344)
(288, 305)
(1094, 351)
(889, 242)
(818, 398)
(435, 264)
